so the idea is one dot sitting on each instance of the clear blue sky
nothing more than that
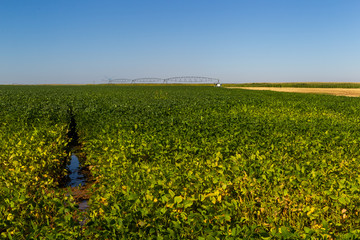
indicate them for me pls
(82, 41)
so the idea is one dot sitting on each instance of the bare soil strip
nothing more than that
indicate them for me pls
(348, 92)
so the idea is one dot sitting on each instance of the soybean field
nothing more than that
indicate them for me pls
(179, 162)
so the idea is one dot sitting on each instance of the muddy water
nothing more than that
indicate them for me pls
(84, 205)
(77, 178)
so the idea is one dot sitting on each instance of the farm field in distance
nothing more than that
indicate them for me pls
(299, 85)
(180, 162)
(349, 92)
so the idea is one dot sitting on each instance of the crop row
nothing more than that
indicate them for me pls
(33, 155)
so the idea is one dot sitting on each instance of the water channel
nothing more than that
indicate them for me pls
(77, 178)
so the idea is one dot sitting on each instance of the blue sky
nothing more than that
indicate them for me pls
(84, 41)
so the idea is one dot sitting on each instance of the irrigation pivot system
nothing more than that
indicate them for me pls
(119, 80)
(148, 80)
(185, 79)
(192, 79)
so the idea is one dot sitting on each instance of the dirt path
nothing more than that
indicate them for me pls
(349, 92)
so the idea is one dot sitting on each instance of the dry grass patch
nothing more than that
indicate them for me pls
(349, 92)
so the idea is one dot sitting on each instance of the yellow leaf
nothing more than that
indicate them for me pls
(10, 217)
(312, 209)
(149, 197)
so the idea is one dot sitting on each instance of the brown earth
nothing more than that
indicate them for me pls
(349, 92)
